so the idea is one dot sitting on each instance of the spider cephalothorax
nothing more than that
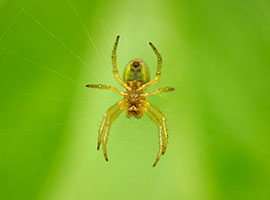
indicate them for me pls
(136, 80)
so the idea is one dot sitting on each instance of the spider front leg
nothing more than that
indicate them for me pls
(156, 79)
(115, 71)
(154, 118)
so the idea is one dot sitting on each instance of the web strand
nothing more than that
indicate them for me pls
(54, 36)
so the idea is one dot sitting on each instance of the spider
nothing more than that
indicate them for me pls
(136, 79)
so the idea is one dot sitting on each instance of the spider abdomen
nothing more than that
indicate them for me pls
(136, 70)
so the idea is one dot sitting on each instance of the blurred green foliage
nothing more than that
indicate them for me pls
(216, 56)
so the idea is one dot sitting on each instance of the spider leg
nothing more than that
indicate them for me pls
(108, 125)
(113, 89)
(108, 114)
(115, 71)
(154, 118)
(157, 91)
(159, 114)
(157, 77)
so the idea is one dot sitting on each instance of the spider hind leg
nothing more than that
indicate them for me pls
(108, 118)
(159, 114)
(156, 120)
(108, 126)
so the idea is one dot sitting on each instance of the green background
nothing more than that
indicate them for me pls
(216, 55)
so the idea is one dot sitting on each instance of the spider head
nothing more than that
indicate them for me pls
(136, 70)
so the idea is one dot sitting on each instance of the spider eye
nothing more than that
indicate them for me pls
(136, 64)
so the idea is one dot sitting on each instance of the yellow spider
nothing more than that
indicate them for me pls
(136, 81)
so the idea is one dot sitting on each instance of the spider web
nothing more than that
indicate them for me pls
(49, 52)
